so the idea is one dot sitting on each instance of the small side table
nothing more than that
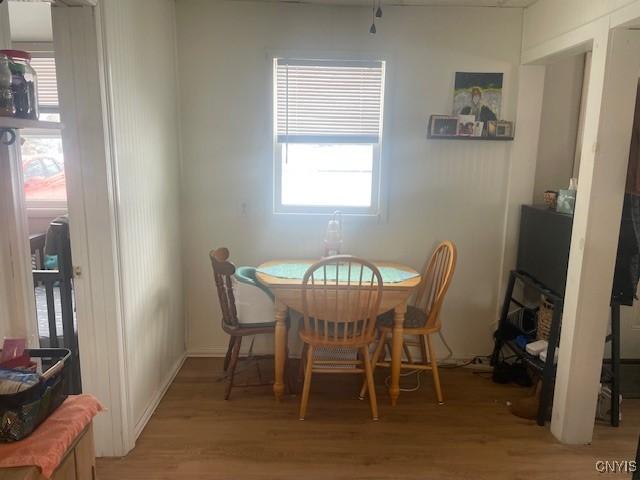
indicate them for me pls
(79, 463)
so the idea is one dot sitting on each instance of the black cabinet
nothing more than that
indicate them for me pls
(543, 246)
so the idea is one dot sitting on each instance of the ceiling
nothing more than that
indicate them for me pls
(466, 3)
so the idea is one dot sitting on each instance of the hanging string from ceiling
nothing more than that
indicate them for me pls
(375, 13)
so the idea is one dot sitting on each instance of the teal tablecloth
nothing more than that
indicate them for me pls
(297, 271)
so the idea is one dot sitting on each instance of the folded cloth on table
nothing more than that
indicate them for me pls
(45, 448)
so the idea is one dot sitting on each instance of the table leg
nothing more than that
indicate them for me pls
(280, 349)
(396, 351)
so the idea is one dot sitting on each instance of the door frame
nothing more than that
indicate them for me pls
(91, 204)
(83, 87)
(92, 196)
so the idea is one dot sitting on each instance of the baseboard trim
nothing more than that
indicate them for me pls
(221, 353)
(153, 405)
(216, 352)
(208, 352)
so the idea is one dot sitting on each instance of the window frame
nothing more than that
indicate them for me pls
(375, 209)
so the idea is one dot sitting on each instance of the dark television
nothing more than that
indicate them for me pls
(544, 244)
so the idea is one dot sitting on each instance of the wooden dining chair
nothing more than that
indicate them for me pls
(341, 298)
(223, 272)
(422, 318)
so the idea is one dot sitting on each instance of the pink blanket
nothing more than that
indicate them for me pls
(45, 448)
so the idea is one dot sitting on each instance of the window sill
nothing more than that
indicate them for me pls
(358, 217)
(326, 214)
(43, 211)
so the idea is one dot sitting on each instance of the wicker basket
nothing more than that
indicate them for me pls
(545, 316)
(551, 199)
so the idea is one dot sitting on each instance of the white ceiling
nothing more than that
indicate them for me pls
(466, 3)
(31, 19)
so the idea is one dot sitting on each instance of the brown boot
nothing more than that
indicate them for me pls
(527, 407)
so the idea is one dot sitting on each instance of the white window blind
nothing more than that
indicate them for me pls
(45, 68)
(320, 101)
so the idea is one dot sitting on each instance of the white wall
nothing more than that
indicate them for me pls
(140, 54)
(559, 124)
(436, 189)
(548, 19)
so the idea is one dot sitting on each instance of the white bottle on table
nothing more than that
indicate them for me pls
(333, 237)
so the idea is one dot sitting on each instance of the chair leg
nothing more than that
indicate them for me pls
(307, 383)
(368, 370)
(227, 357)
(303, 356)
(423, 350)
(407, 353)
(289, 375)
(234, 361)
(388, 346)
(434, 370)
(259, 371)
(376, 355)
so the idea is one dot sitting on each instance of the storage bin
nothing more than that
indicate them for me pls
(22, 412)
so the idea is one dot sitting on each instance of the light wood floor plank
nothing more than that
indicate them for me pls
(196, 435)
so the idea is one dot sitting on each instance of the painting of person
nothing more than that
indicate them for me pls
(478, 94)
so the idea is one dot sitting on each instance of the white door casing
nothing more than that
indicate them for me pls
(92, 194)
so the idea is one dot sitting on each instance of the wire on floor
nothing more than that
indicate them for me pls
(446, 345)
(387, 380)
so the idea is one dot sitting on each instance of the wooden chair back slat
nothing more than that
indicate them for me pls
(435, 282)
(347, 312)
(223, 271)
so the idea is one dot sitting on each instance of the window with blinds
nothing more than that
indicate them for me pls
(328, 130)
(45, 68)
(329, 101)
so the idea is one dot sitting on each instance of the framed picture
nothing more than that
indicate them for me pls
(478, 128)
(466, 124)
(504, 129)
(491, 128)
(566, 201)
(478, 94)
(443, 126)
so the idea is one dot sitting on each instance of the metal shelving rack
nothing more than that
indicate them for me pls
(547, 369)
(8, 126)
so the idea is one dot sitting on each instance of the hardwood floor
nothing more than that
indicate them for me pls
(196, 435)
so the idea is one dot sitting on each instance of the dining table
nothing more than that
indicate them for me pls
(284, 279)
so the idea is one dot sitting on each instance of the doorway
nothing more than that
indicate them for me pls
(629, 269)
(83, 88)
(45, 193)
